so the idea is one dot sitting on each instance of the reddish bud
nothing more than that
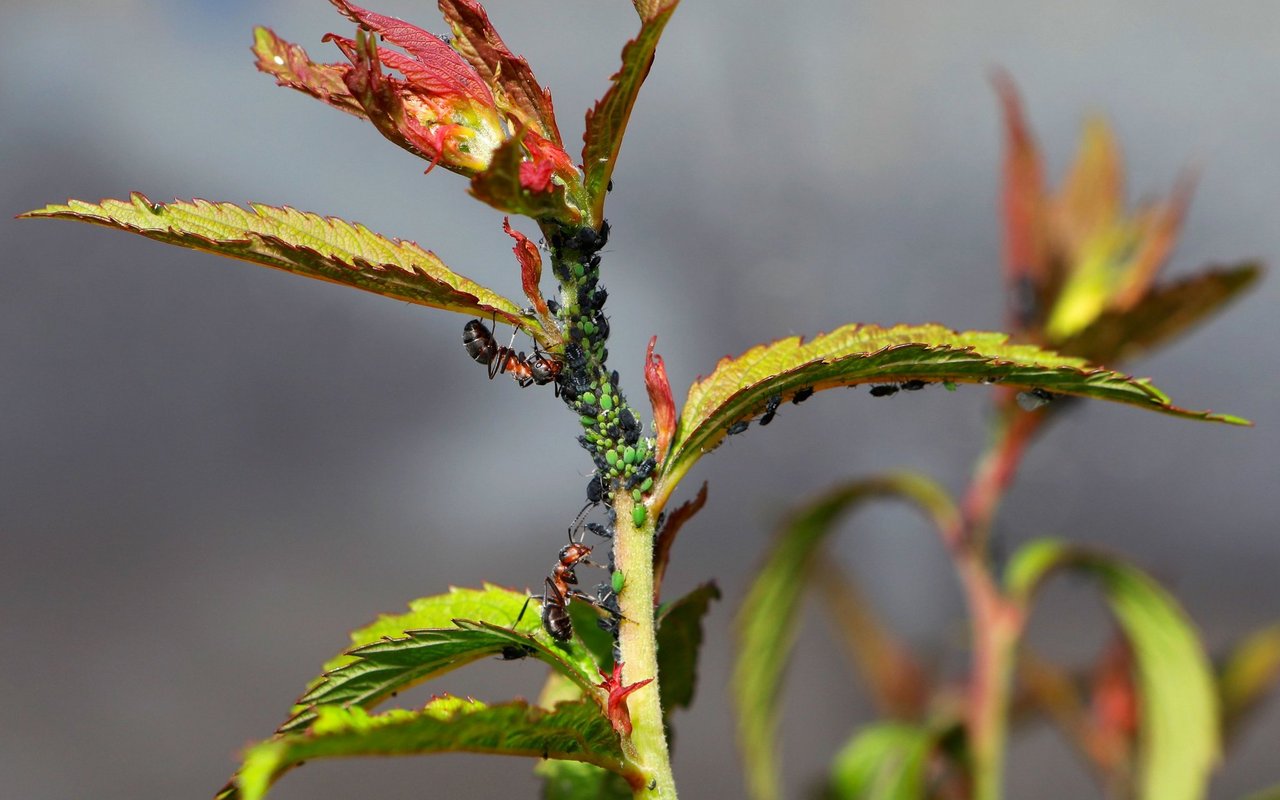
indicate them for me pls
(664, 408)
(616, 707)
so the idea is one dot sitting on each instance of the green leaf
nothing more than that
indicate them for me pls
(679, 642)
(1248, 674)
(1162, 313)
(1178, 736)
(607, 122)
(435, 637)
(884, 761)
(574, 731)
(739, 388)
(305, 244)
(573, 780)
(767, 623)
(499, 186)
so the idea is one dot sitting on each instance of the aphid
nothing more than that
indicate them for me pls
(738, 427)
(1034, 398)
(600, 530)
(595, 490)
(913, 385)
(802, 395)
(515, 652)
(884, 391)
(771, 408)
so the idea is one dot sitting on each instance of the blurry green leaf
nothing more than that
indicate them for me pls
(768, 621)
(574, 731)
(1248, 674)
(400, 651)
(1272, 793)
(884, 761)
(679, 644)
(739, 388)
(306, 244)
(1161, 314)
(598, 643)
(573, 780)
(607, 121)
(1178, 715)
(500, 186)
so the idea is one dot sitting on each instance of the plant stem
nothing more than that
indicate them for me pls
(646, 747)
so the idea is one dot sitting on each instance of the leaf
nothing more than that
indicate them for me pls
(514, 86)
(1161, 314)
(302, 243)
(607, 121)
(1248, 674)
(767, 623)
(679, 642)
(400, 651)
(664, 406)
(573, 780)
(666, 537)
(884, 761)
(574, 731)
(1092, 197)
(290, 65)
(502, 187)
(738, 388)
(1178, 738)
(530, 260)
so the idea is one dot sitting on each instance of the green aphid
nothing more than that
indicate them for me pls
(606, 402)
(639, 513)
(629, 455)
(617, 580)
(589, 422)
(647, 485)
(588, 328)
(588, 398)
(635, 495)
(612, 457)
(579, 270)
(950, 386)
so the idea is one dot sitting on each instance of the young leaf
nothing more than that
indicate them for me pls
(530, 271)
(679, 642)
(1248, 674)
(664, 407)
(574, 731)
(884, 761)
(1178, 737)
(290, 65)
(510, 186)
(400, 651)
(666, 538)
(739, 388)
(509, 77)
(767, 623)
(1161, 314)
(608, 120)
(306, 244)
(1028, 272)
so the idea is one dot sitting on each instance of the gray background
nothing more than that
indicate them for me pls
(212, 471)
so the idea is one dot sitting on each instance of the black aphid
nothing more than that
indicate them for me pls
(802, 395)
(884, 391)
(771, 408)
(738, 427)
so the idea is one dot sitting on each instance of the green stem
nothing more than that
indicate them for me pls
(646, 747)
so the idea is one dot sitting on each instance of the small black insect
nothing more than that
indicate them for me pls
(884, 391)
(553, 306)
(1034, 398)
(913, 385)
(515, 652)
(802, 395)
(595, 490)
(738, 427)
(645, 469)
(771, 408)
(600, 530)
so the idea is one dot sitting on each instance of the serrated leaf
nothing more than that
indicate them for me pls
(679, 644)
(607, 121)
(884, 761)
(1178, 737)
(574, 731)
(573, 780)
(306, 244)
(399, 651)
(1161, 314)
(509, 77)
(767, 623)
(1248, 675)
(739, 387)
(290, 65)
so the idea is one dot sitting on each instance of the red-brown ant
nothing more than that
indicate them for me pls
(526, 370)
(559, 588)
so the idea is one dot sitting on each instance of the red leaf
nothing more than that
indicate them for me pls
(530, 268)
(664, 407)
(617, 710)
(1025, 255)
(292, 67)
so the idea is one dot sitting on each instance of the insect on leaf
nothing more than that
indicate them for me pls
(1178, 724)
(740, 387)
(302, 243)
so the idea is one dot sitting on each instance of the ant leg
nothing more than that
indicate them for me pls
(525, 607)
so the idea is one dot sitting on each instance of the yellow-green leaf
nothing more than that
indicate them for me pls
(884, 761)
(305, 244)
(1178, 736)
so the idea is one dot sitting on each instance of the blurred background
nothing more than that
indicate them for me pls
(210, 471)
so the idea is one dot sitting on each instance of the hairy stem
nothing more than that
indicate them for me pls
(646, 747)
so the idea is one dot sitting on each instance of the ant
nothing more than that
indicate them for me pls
(560, 586)
(539, 368)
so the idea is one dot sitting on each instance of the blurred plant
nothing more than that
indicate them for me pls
(1082, 274)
